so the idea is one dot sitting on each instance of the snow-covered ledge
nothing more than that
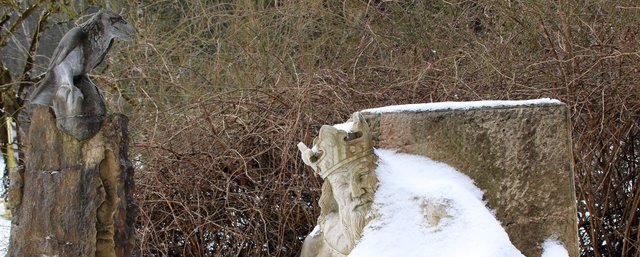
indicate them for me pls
(517, 152)
(487, 178)
(441, 106)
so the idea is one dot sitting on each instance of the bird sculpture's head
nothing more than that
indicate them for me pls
(115, 26)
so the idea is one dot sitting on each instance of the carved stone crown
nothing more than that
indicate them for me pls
(336, 146)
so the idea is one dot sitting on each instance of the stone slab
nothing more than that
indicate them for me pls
(520, 156)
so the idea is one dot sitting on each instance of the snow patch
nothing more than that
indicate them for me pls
(347, 126)
(5, 231)
(553, 248)
(461, 105)
(315, 232)
(427, 208)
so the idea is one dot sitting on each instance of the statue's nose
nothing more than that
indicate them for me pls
(356, 187)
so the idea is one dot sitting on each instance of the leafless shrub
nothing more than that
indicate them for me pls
(219, 93)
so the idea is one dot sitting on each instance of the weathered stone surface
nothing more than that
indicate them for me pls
(76, 197)
(84, 120)
(520, 156)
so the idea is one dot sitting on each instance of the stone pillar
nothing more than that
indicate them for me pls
(76, 197)
(520, 156)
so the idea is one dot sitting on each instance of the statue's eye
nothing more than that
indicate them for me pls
(117, 19)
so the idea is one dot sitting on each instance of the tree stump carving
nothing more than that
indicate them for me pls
(76, 197)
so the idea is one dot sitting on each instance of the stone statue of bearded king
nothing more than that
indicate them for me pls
(346, 162)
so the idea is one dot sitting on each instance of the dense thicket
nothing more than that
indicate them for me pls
(219, 93)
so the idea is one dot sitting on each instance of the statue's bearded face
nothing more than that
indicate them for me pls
(353, 188)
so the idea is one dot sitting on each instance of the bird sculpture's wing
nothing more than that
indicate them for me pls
(69, 41)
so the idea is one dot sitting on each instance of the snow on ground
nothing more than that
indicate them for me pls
(402, 228)
(553, 248)
(5, 229)
(461, 105)
(5, 224)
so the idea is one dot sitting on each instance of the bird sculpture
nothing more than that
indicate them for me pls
(80, 50)
(66, 88)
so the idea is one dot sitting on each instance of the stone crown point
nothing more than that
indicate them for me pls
(338, 145)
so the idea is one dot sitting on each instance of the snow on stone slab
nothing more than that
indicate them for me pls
(410, 186)
(462, 105)
(553, 248)
(347, 126)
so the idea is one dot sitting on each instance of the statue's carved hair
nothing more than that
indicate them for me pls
(327, 203)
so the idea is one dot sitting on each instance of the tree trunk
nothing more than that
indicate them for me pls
(76, 197)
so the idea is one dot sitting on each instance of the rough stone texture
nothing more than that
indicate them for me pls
(76, 197)
(520, 156)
